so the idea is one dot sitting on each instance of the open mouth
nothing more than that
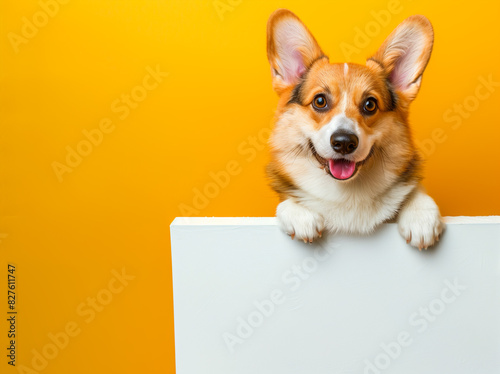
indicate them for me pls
(339, 168)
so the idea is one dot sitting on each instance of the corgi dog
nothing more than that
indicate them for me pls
(342, 154)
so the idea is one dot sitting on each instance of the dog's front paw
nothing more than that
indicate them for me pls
(420, 222)
(298, 221)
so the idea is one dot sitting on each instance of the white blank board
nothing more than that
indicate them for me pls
(249, 300)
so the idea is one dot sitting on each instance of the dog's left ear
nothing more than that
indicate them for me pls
(291, 48)
(405, 54)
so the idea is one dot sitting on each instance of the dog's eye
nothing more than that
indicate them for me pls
(370, 105)
(320, 102)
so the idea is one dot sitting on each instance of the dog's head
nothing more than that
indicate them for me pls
(342, 114)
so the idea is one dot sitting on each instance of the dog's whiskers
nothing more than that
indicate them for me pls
(294, 152)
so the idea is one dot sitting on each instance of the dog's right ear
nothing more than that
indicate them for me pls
(291, 49)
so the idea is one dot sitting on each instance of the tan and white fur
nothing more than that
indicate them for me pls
(342, 154)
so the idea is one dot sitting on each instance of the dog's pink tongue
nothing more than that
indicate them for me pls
(342, 169)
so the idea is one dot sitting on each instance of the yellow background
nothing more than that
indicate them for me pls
(114, 209)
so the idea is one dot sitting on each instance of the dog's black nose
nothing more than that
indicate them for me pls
(344, 142)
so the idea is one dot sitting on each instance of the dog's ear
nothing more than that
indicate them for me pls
(291, 48)
(405, 54)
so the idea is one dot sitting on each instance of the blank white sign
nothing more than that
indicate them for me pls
(249, 300)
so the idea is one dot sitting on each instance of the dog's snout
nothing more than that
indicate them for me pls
(344, 142)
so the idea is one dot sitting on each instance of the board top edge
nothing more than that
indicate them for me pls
(271, 221)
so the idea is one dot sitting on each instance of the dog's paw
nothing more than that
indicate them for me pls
(299, 222)
(419, 222)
